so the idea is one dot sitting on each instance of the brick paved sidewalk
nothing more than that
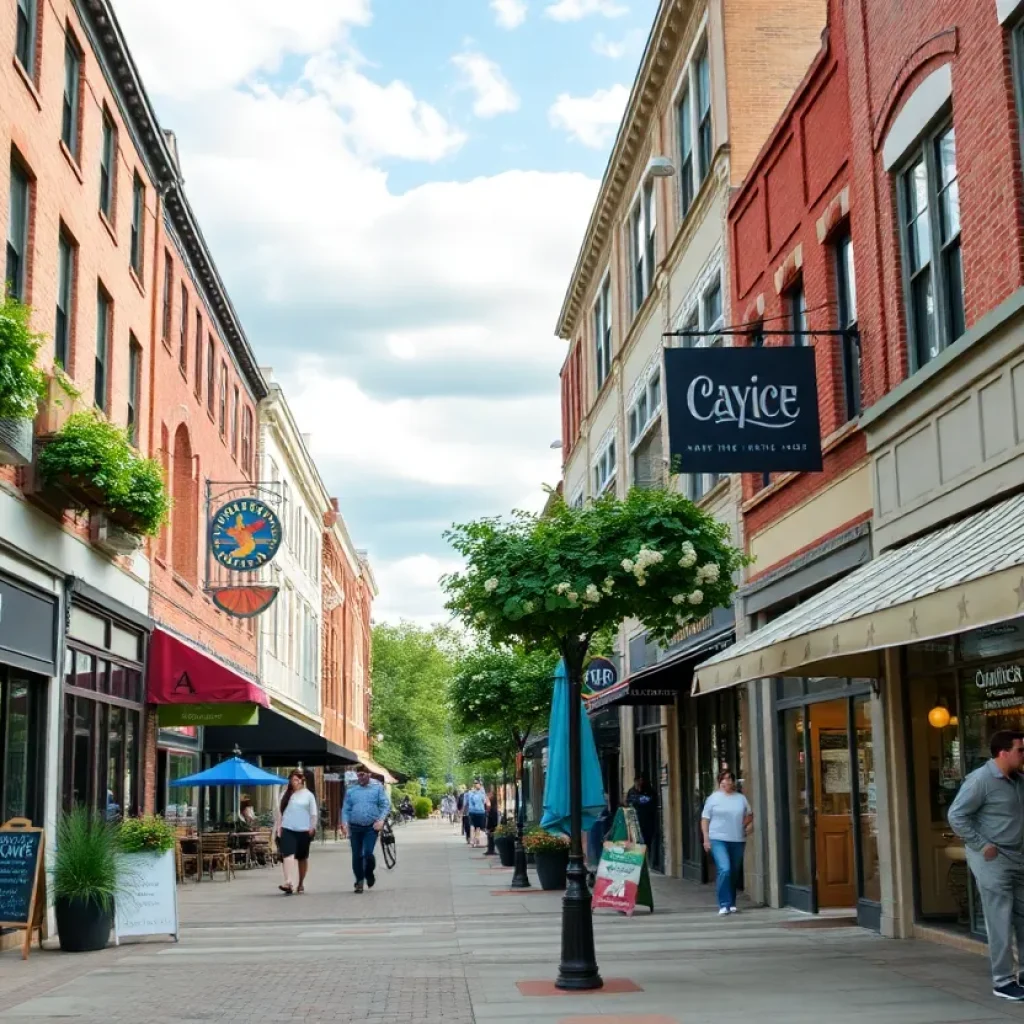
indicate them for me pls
(433, 943)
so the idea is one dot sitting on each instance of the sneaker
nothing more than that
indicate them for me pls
(359, 888)
(733, 910)
(1011, 991)
(723, 911)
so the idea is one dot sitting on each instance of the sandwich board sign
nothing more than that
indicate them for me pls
(148, 901)
(22, 880)
(623, 879)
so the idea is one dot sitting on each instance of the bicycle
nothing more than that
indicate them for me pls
(388, 847)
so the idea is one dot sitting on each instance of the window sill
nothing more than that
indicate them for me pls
(104, 220)
(137, 281)
(29, 84)
(72, 162)
(708, 497)
(184, 584)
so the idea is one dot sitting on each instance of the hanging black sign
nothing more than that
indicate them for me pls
(742, 410)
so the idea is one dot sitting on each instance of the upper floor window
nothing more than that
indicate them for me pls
(222, 418)
(247, 452)
(25, 35)
(17, 233)
(846, 307)
(72, 87)
(603, 332)
(103, 328)
(134, 386)
(165, 320)
(711, 310)
(796, 303)
(211, 383)
(604, 467)
(642, 225)
(684, 117)
(197, 370)
(65, 296)
(138, 224)
(645, 408)
(108, 165)
(234, 421)
(929, 203)
(704, 139)
(577, 499)
(645, 448)
(183, 330)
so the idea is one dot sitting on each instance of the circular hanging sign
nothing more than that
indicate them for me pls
(244, 534)
(600, 674)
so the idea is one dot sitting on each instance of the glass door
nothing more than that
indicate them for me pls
(800, 862)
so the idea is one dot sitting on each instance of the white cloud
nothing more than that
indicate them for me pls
(577, 10)
(408, 589)
(234, 40)
(615, 49)
(482, 76)
(590, 120)
(509, 13)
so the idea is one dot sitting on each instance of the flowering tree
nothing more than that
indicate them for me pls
(553, 582)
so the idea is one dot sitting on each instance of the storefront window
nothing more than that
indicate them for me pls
(21, 745)
(798, 798)
(867, 795)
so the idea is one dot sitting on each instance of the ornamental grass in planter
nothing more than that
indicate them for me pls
(94, 464)
(84, 879)
(22, 382)
(551, 856)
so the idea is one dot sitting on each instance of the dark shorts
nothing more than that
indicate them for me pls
(294, 844)
(478, 820)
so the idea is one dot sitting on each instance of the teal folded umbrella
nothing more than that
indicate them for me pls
(556, 785)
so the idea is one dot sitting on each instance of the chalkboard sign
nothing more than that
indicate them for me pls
(21, 878)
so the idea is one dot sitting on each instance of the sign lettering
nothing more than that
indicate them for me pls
(245, 534)
(21, 879)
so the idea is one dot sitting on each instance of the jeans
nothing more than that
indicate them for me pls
(363, 839)
(1001, 886)
(728, 859)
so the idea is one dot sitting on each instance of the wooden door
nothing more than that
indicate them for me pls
(833, 801)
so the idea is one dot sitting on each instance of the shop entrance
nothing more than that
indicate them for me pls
(831, 859)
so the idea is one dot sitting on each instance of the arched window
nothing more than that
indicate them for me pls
(185, 513)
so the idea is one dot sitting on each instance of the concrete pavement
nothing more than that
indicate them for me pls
(433, 942)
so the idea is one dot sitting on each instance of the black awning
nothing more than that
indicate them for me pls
(661, 683)
(278, 740)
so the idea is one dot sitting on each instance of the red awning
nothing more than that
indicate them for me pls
(180, 674)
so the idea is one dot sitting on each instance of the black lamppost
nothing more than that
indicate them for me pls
(520, 879)
(578, 966)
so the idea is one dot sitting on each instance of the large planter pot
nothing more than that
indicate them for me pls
(506, 846)
(551, 868)
(82, 925)
(15, 442)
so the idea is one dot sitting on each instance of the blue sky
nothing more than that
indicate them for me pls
(395, 192)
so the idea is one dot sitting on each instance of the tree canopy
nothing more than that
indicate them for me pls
(412, 670)
(554, 581)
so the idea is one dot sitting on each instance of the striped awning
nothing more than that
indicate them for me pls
(966, 575)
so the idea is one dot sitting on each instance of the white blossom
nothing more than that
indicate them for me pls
(696, 597)
(648, 556)
(627, 564)
(689, 559)
(608, 584)
(641, 581)
(563, 588)
(592, 594)
(527, 607)
(679, 599)
(708, 573)
(681, 620)
(480, 616)
(572, 597)
(491, 585)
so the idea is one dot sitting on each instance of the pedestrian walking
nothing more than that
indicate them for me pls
(642, 799)
(363, 814)
(988, 815)
(464, 817)
(492, 809)
(476, 801)
(726, 821)
(297, 818)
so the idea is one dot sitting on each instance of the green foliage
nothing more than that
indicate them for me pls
(553, 582)
(503, 690)
(506, 830)
(22, 383)
(485, 751)
(539, 840)
(148, 834)
(411, 672)
(85, 861)
(422, 805)
(100, 457)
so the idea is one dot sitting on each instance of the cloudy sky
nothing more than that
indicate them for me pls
(395, 192)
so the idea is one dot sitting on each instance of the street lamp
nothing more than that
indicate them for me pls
(520, 878)
(577, 968)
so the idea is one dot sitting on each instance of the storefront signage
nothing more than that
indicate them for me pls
(22, 901)
(245, 534)
(743, 410)
(169, 715)
(600, 674)
(28, 628)
(618, 877)
(147, 900)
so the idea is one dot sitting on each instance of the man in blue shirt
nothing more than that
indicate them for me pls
(363, 814)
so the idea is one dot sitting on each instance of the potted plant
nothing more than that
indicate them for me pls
(505, 843)
(551, 856)
(22, 383)
(146, 866)
(84, 879)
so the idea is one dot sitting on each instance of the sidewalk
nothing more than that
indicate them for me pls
(440, 939)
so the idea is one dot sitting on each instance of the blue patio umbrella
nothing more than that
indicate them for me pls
(556, 785)
(233, 772)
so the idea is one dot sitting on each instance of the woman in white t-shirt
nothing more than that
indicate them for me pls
(297, 818)
(726, 821)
